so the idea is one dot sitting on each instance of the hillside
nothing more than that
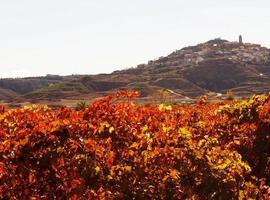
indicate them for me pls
(212, 68)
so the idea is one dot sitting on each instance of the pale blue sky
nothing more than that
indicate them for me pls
(39, 37)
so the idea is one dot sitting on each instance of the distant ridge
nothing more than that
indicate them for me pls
(212, 67)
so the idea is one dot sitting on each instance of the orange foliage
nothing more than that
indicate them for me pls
(117, 149)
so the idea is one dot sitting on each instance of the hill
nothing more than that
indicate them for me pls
(212, 68)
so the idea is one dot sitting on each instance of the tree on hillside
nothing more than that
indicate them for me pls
(229, 95)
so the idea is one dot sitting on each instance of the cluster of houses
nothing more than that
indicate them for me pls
(215, 49)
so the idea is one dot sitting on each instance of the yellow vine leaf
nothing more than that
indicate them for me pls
(97, 169)
(128, 168)
(184, 132)
(162, 107)
(145, 128)
(111, 129)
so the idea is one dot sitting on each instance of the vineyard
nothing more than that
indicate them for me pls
(119, 149)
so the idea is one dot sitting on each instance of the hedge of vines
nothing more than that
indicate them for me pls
(119, 149)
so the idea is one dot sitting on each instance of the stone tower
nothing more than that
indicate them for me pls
(240, 39)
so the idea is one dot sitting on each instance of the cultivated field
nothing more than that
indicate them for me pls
(116, 148)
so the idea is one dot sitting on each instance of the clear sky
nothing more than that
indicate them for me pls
(39, 37)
